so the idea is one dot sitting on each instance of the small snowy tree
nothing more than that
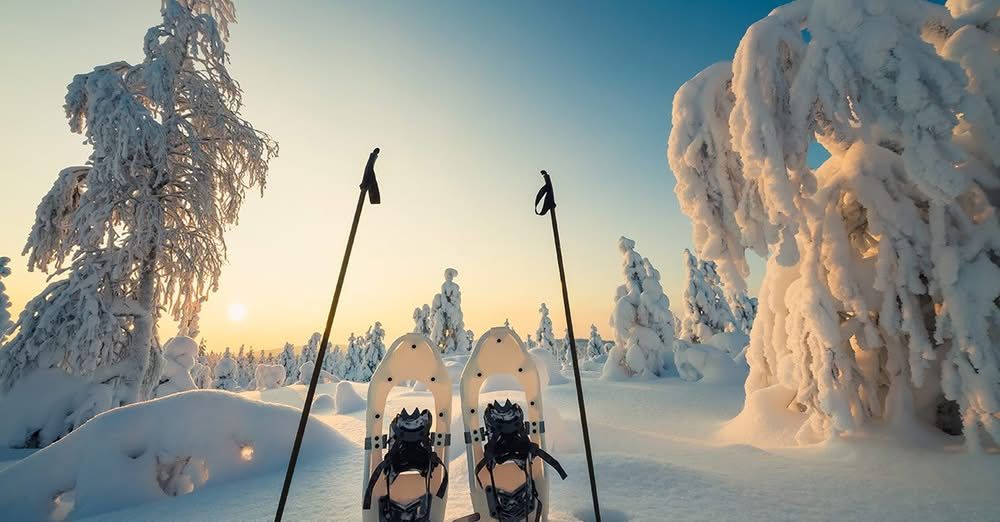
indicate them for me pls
(310, 351)
(227, 373)
(374, 350)
(545, 337)
(744, 310)
(5, 323)
(241, 367)
(269, 376)
(140, 228)
(595, 345)
(530, 343)
(179, 355)
(447, 325)
(880, 297)
(641, 318)
(422, 320)
(354, 360)
(706, 311)
(288, 360)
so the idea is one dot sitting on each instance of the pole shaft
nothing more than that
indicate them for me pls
(318, 367)
(576, 367)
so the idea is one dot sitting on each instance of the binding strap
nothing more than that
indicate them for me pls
(383, 468)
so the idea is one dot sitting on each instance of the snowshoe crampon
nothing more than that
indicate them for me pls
(505, 442)
(406, 471)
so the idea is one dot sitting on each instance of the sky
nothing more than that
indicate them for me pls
(467, 100)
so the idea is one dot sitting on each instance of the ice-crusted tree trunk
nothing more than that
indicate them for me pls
(140, 228)
(641, 319)
(880, 300)
(706, 311)
(447, 324)
(5, 323)
(545, 339)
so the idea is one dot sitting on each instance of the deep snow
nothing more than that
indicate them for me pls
(659, 455)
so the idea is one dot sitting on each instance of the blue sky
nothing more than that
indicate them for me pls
(468, 100)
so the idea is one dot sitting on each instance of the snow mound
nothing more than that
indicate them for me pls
(324, 402)
(549, 369)
(702, 362)
(500, 382)
(454, 364)
(306, 371)
(348, 400)
(765, 420)
(268, 376)
(46, 405)
(147, 451)
(731, 343)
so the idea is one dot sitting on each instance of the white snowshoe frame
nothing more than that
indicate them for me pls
(412, 357)
(500, 351)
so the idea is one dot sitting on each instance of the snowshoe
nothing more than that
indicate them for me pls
(505, 442)
(405, 470)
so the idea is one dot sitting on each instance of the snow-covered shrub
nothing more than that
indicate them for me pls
(447, 324)
(134, 455)
(227, 373)
(5, 323)
(884, 263)
(546, 340)
(703, 362)
(179, 358)
(268, 376)
(641, 318)
(347, 400)
(202, 375)
(306, 372)
(706, 311)
(374, 350)
(140, 228)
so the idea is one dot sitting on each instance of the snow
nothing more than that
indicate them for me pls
(5, 323)
(146, 452)
(268, 376)
(347, 400)
(549, 368)
(675, 454)
(702, 362)
(179, 358)
(324, 401)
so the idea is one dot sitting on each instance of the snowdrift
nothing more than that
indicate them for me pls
(165, 447)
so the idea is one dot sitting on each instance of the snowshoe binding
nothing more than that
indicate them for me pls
(505, 442)
(405, 467)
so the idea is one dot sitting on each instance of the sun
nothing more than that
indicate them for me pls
(237, 312)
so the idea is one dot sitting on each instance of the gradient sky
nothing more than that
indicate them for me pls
(468, 100)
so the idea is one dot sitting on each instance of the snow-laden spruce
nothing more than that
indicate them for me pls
(374, 350)
(309, 353)
(447, 325)
(422, 320)
(139, 229)
(355, 368)
(5, 323)
(288, 360)
(880, 296)
(227, 373)
(744, 310)
(641, 318)
(595, 345)
(706, 311)
(546, 340)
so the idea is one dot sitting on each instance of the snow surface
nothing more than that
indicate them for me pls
(673, 455)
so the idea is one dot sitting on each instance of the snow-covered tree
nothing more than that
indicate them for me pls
(5, 323)
(744, 310)
(202, 374)
(422, 320)
(288, 360)
(506, 323)
(595, 345)
(227, 373)
(139, 229)
(880, 299)
(374, 350)
(248, 372)
(179, 355)
(268, 376)
(641, 318)
(354, 360)
(706, 311)
(546, 340)
(310, 351)
(447, 325)
(530, 343)
(333, 360)
(241, 367)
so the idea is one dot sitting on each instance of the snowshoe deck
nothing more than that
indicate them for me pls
(409, 495)
(495, 484)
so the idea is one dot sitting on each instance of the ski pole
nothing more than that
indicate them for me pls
(369, 186)
(547, 198)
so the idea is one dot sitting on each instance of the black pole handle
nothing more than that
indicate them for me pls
(545, 196)
(368, 182)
